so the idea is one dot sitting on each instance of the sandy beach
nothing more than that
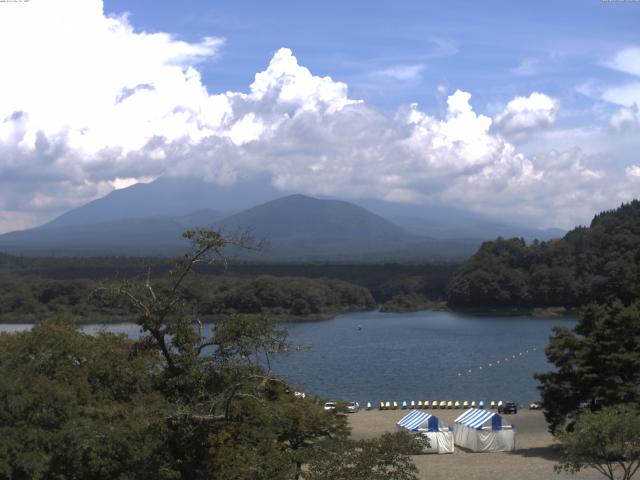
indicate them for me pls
(535, 455)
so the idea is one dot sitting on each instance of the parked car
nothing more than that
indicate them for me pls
(352, 407)
(330, 406)
(535, 406)
(508, 407)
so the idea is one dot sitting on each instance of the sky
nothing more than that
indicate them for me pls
(525, 111)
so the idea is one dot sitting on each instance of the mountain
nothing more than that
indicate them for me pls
(298, 226)
(143, 219)
(302, 228)
(171, 197)
(299, 216)
(147, 219)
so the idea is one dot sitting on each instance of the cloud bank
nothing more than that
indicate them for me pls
(98, 105)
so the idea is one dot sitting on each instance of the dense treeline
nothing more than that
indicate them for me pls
(279, 297)
(588, 265)
(34, 300)
(32, 288)
(295, 296)
(93, 268)
(384, 280)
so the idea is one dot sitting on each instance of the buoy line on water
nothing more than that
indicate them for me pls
(498, 362)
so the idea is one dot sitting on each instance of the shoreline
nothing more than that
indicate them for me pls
(435, 306)
(206, 319)
(541, 312)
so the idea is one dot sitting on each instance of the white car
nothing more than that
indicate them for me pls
(330, 406)
(352, 407)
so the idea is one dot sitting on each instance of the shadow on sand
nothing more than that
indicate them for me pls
(551, 453)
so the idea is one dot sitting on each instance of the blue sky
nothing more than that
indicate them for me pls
(495, 49)
(525, 111)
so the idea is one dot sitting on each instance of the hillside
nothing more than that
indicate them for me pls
(589, 264)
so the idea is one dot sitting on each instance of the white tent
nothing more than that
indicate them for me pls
(440, 438)
(483, 431)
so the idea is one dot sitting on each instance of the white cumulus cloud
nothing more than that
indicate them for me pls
(90, 104)
(523, 115)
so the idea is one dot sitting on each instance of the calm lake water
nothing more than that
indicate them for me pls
(376, 356)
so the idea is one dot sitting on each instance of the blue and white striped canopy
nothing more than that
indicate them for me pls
(415, 420)
(475, 417)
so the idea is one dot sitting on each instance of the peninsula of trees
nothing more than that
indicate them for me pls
(589, 264)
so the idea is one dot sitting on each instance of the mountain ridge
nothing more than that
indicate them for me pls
(147, 219)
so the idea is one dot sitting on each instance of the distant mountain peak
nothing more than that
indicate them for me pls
(296, 196)
(302, 215)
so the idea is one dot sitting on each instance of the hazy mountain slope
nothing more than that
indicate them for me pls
(446, 222)
(179, 196)
(299, 227)
(169, 197)
(147, 219)
(131, 236)
(302, 216)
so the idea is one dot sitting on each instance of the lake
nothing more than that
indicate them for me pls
(374, 356)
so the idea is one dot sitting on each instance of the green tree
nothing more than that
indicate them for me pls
(624, 277)
(377, 459)
(226, 401)
(304, 427)
(78, 406)
(607, 441)
(232, 417)
(597, 363)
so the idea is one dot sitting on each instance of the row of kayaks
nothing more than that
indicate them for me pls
(443, 404)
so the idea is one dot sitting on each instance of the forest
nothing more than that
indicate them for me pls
(33, 288)
(589, 265)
